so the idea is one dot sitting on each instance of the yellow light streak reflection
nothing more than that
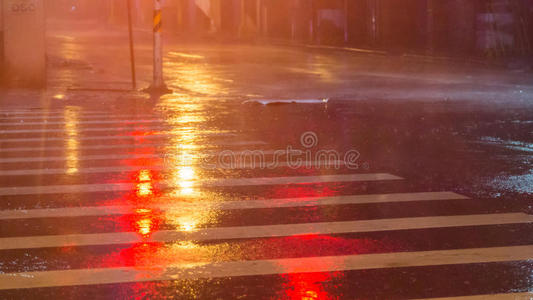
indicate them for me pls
(197, 78)
(184, 152)
(183, 254)
(185, 55)
(72, 143)
(188, 225)
(186, 173)
(144, 185)
(142, 211)
(145, 175)
(145, 226)
(144, 189)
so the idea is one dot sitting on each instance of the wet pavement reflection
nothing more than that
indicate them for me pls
(196, 195)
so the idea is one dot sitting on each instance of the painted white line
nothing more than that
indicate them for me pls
(198, 270)
(120, 118)
(231, 205)
(63, 158)
(116, 187)
(164, 134)
(287, 101)
(82, 130)
(125, 146)
(510, 296)
(266, 231)
(160, 167)
(244, 153)
(125, 122)
(12, 113)
(302, 179)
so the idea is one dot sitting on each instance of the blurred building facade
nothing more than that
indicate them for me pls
(22, 43)
(483, 28)
(494, 28)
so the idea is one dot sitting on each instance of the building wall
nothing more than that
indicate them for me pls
(448, 27)
(359, 23)
(24, 43)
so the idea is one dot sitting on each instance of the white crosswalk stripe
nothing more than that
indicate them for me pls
(229, 205)
(49, 112)
(83, 130)
(91, 122)
(247, 232)
(262, 267)
(7, 119)
(510, 296)
(132, 145)
(119, 169)
(156, 135)
(238, 153)
(169, 207)
(229, 182)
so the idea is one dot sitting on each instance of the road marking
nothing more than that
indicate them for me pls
(190, 271)
(302, 179)
(120, 169)
(61, 116)
(113, 137)
(245, 154)
(231, 205)
(63, 158)
(287, 101)
(510, 296)
(126, 146)
(82, 130)
(265, 231)
(12, 113)
(128, 122)
(116, 187)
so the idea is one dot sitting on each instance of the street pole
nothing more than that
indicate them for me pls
(292, 14)
(158, 51)
(158, 85)
(132, 50)
(346, 22)
(374, 21)
(242, 19)
(430, 26)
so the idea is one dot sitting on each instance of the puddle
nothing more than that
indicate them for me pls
(514, 183)
(509, 144)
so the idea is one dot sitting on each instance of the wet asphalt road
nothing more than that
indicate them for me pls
(194, 195)
(144, 193)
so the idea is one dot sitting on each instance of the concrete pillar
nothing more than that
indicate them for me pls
(24, 42)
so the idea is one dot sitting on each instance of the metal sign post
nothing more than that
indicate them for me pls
(158, 85)
(132, 50)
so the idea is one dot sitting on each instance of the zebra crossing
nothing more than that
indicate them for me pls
(156, 223)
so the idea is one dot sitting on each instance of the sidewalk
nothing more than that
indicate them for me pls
(88, 63)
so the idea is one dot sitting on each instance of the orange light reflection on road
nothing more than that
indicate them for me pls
(144, 226)
(311, 286)
(307, 286)
(145, 186)
(72, 143)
